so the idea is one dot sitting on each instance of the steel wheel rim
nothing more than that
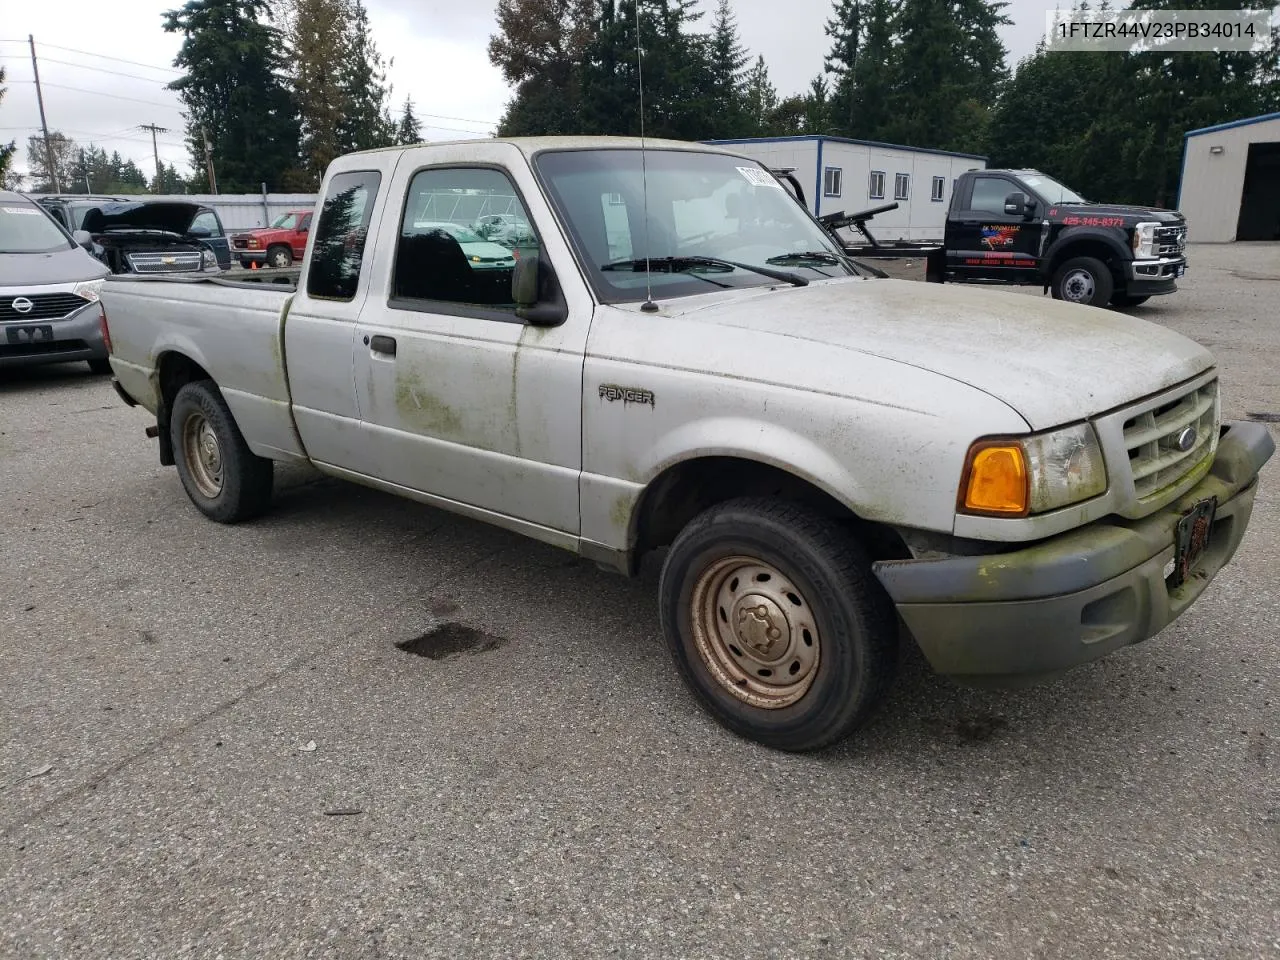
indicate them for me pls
(1077, 286)
(279, 259)
(203, 454)
(755, 632)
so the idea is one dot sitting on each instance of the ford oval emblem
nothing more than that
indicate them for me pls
(1186, 439)
(22, 304)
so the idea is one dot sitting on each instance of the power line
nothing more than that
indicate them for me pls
(85, 66)
(440, 116)
(101, 56)
(102, 93)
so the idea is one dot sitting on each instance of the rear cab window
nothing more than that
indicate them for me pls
(337, 253)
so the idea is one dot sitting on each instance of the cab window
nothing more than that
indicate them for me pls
(448, 251)
(989, 194)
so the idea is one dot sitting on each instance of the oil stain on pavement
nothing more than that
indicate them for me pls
(450, 639)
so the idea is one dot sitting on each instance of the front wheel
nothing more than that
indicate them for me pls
(279, 257)
(1083, 280)
(223, 478)
(776, 623)
(1124, 300)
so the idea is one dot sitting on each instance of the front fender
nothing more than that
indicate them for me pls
(1092, 235)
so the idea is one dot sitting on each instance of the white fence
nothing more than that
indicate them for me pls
(243, 211)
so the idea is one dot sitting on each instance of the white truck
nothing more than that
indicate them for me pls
(680, 359)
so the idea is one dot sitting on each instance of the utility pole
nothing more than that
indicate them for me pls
(208, 162)
(155, 150)
(44, 124)
(84, 168)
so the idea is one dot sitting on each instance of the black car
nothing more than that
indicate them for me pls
(147, 236)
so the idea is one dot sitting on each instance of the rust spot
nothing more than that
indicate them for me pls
(450, 639)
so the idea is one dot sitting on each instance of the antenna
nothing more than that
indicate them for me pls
(648, 306)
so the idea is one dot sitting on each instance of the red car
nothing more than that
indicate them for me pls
(277, 245)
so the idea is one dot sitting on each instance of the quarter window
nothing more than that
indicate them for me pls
(901, 186)
(832, 178)
(338, 251)
(443, 254)
(876, 187)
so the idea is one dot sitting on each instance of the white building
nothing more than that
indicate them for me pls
(1230, 186)
(852, 175)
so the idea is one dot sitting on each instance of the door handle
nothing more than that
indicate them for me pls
(382, 344)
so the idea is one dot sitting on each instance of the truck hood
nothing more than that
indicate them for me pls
(61, 266)
(1052, 362)
(1131, 214)
(173, 217)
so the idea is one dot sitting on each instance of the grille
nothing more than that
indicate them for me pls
(44, 306)
(156, 262)
(1152, 439)
(1171, 241)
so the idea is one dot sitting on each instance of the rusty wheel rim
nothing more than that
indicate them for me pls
(755, 632)
(203, 454)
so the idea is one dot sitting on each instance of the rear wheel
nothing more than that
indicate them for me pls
(223, 478)
(279, 257)
(777, 624)
(1083, 280)
(1124, 300)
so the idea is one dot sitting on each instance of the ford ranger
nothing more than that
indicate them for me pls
(680, 360)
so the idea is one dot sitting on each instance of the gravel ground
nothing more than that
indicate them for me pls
(536, 782)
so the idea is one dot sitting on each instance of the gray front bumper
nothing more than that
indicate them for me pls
(77, 337)
(1001, 619)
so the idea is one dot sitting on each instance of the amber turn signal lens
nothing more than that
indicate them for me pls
(997, 481)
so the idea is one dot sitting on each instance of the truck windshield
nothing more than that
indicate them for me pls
(25, 228)
(1051, 189)
(712, 221)
(286, 221)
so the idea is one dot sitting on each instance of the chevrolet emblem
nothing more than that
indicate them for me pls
(168, 261)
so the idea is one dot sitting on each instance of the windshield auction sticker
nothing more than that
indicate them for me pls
(759, 178)
(22, 211)
(1157, 31)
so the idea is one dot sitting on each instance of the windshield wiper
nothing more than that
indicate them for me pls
(805, 256)
(683, 264)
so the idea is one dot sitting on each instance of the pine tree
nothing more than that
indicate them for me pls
(315, 30)
(817, 106)
(761, 98)
(845, 28)
(727, 63)
(233, 91)
(874, 80)
(540, 47)
(408, 131)
(365, 123)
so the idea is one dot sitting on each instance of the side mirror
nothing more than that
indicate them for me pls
(536, 291)
(83, 238)
(1015, 205)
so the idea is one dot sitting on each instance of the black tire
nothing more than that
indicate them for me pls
(1124, 300)
(1083, 280)
(279, 256)
(100, 365)
(243, 487)
(855, 623)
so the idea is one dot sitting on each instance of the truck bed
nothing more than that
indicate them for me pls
(233, 329)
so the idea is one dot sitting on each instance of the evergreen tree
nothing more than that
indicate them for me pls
(7, 150)
(817, 106)
(233, 92)
(540, 48)
(727, 63)
(315, 30)
(64, 153)
(408, 130)
(761, 99)
(845, 29)
(874, 81)
(365, 123)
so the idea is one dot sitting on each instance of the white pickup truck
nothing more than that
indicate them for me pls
(677, 357)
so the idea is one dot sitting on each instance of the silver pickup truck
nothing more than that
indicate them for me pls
(677, 358)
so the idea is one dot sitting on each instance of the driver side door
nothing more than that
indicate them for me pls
(989, 243)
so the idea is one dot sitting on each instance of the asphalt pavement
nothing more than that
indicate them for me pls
(363, 728)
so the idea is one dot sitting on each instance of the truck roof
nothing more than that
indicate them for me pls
(531, 145)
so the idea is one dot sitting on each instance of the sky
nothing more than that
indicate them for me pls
(103, 66)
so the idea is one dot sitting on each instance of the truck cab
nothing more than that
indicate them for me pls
(1024, 227)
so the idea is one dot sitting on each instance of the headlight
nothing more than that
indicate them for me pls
(209, 260)
(90, 290)
(1018, 476)
(1144, 240)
